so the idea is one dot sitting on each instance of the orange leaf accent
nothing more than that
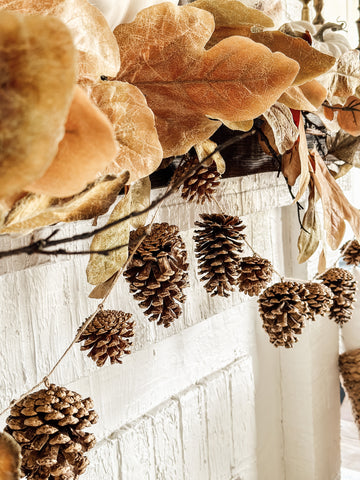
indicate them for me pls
(349, 116)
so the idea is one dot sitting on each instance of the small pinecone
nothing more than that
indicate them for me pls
(218, 247)
(48, 425)
(343, 286)
(158, 274)
(352, 252)
(349, 365)
(108, 335)
(255, 274)
(319, 298)
(283, 309)
(200, 186)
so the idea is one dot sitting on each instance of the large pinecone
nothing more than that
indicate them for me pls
(158, 274)
(255, 274)
(343, 286)
(349, 364)
(284, 309)
(351, 252)
(319, 298)
(108, 336)
(218, 247)
(48, 425)
(200, 185)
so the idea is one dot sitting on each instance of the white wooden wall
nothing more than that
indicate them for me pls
(207, 399)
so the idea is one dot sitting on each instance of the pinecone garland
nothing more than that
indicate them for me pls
(351, 252)
(48, 425)
(283, 309)
(108, 336)
(319, 298)
(199, 186)
(255, 274)
(158, 274)
(343, 286)
(218, 247)
(349, 365)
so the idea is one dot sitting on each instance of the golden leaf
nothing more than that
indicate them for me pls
(93, 38)
(244, 126)
(31, 126)
(103, 289)
(312, 62)
(37, 211)
(101, 267)
(87, 147)
(204, 149)
(184, 84)
(294, 98)
(10, 458)
(336, 207)
(345, 77)
(281, 121)
(310, 234)
(298, 160)
(314, 92)
(140, 151)
(322, 262)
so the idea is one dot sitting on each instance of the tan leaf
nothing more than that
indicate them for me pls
(242, 30)
(302, 156)
(93, 38)
(101, 267)
(31, 126)
(103, 289)
(10, 458)
(140, 151)
(294, 98)
(244, 126)
(310, 234)
(282, 124)
(345, 77)
(312, 62)
(345, 147)
(204, 149)
(28, 214)
(322, 262)
(183, 83)
(349, 116)
(336, 207)
(87, 147)
(314, 92)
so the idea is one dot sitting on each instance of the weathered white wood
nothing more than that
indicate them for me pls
(104, 461)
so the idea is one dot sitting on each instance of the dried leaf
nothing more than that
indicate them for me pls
(87, 147)
(140, 151)
(244, 126)
(301, 156)
(102, 290)
(349, 116)
(310, 234)
(281, 121)
(294, 98)
(336, 207)
(314, 92)
(345, 76)
(92, 202)
(345, 147)
(93, 38)
(37, 63)
(204, 149)
(183, 83)
(322, 262)
(312, 62)
(101, 267)
(10, 458)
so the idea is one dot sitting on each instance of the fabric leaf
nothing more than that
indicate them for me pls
(336, 207)
(295, 99)
(101, 290)
(285, 132)
(349, 116)
(310, 234)
(345, 76)
(185, 85)
(344, 147)
(204, 149)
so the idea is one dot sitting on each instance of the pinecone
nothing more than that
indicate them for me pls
(255, 274)
(218, 248)
(351, 252)
(108, 335)
(48, 425)
(199, 186)
(158, 273)
(319, 298)
(283, 309)
(349, 365)
(343, 286)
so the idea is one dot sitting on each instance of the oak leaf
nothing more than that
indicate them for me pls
(36, 211)
(10, 458)
(314, 92)
(186, 85)
(294, 98)
(92, 36)
(336, 207)
(310, 233)
(101, 267)
(37, 63)
(140, 150)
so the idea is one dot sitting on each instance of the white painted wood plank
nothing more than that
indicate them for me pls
(104, 462)
(136, 444)
(219, 431)
(242, 398)
(194, 434)
(167, 442)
